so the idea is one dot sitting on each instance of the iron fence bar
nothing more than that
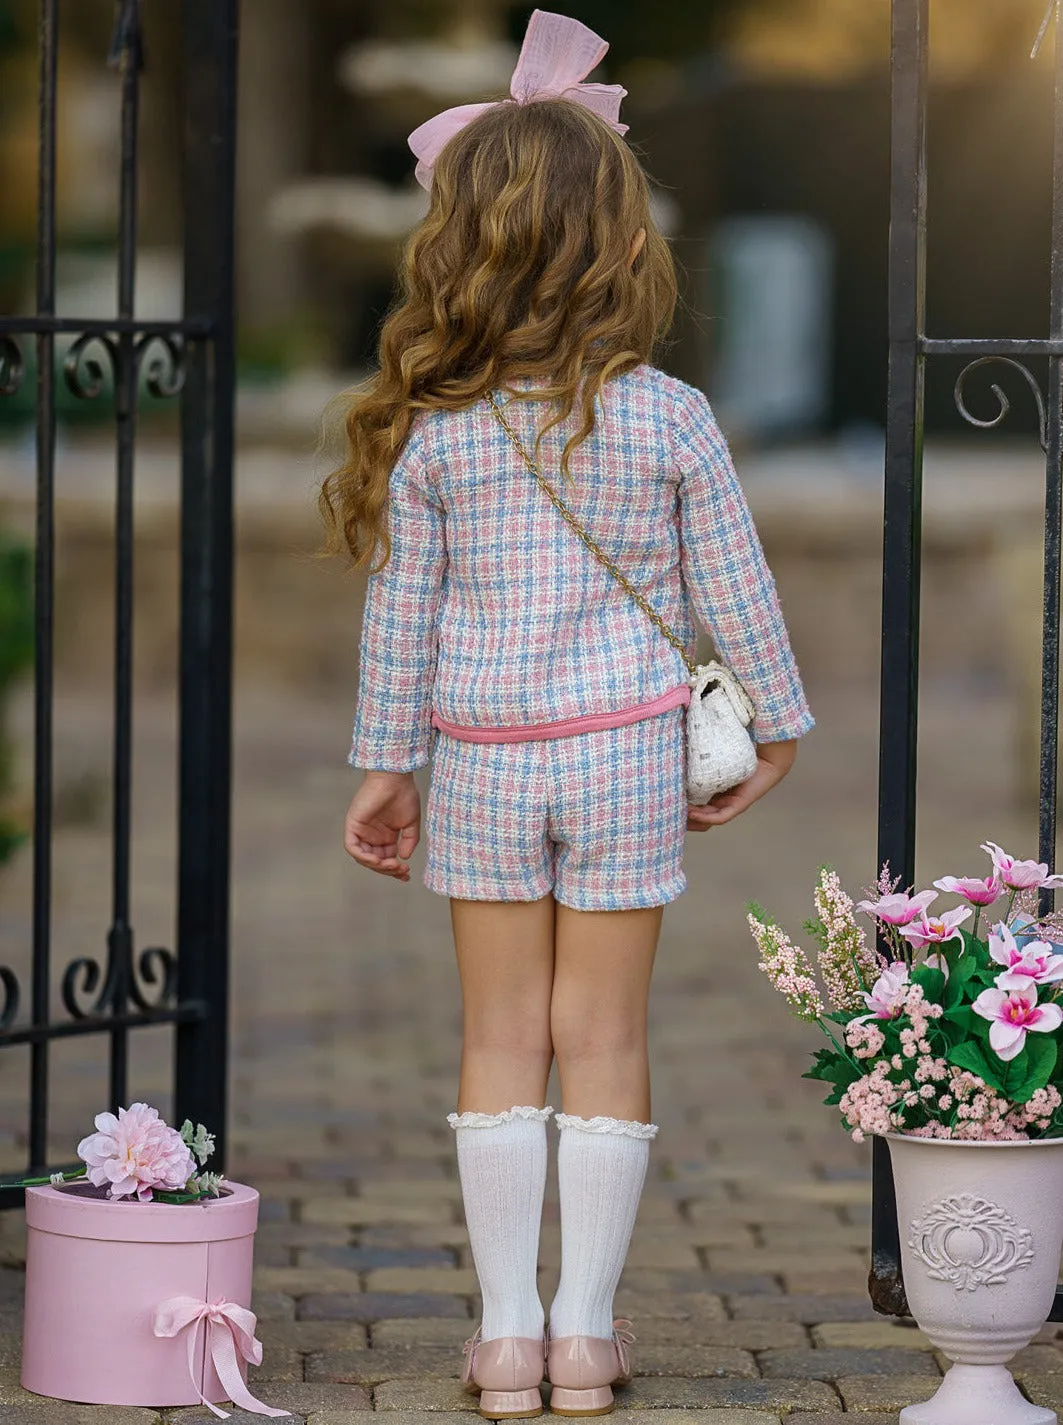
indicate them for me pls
(102, 326)
(104, 1023)
(205, 756)
(1053, 517)
(44, 581)
(902, 519)
(996, 346)
(1050, 625)
(126, 54)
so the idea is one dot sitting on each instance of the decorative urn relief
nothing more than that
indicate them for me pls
(970, 1242)
(981, 1227)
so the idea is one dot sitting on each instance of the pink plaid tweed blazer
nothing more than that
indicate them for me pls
(492, 615)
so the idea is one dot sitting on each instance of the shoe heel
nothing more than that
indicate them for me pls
(511, 1404)
(597, 1400)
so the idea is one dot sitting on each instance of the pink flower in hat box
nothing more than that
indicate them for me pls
(136, 1153)
(169, 1252)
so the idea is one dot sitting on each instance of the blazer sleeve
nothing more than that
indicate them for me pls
(727, 577)
(400, 634)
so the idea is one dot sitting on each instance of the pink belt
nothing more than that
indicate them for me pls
(679, 696)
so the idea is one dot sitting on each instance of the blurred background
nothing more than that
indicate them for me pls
(764, 126)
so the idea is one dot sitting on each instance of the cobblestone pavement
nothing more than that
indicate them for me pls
(746, 1279)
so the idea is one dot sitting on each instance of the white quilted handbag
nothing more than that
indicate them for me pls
(720, 749)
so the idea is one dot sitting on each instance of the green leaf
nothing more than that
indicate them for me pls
(1040, 1060)
(932, 981)
(963, 1016)
(828, 1064)
(975, 949)
(971, 1056)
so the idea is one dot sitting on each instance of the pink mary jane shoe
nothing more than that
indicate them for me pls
(583, 1369)
(506, 1373)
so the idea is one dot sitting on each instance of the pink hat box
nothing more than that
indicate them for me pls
(96, 1270)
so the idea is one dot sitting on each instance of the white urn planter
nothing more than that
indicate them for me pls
(981, 1226)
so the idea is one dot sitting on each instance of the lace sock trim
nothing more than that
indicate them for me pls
(627, 1127)
(492, 1120)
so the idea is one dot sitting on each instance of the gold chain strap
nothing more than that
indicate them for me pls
(598, 552)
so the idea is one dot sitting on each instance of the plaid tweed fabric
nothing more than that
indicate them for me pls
(599, 818)
(492, 611)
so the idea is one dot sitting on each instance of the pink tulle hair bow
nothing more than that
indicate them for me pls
(557, 55)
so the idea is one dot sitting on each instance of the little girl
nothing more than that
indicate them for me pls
(552, 709)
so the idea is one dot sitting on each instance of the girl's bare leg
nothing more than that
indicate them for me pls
(601, 986)
(604, 960)
(506, 961)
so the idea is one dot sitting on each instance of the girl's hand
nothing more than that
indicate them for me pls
(384, 823)
(774, 760)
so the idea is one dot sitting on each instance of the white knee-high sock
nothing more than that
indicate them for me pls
(601, 1167)
(502, 1165)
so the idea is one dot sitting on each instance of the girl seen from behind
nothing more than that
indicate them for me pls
(551, 709)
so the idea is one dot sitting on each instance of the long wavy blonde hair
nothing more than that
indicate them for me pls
(520, 269)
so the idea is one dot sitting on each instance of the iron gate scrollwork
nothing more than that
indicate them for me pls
(191, 360)
(909, 348)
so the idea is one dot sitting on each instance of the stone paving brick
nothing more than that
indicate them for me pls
(830, 1238)
(1044, 1390)
(56, 1412)
(815, 1282)
(777, 1261)
(743, 1335)
(299, 1189)
(1036, 1360)
(300, 1234)
(272, 1254)
(379, 1306)
(397, 1417)
(273, 1211)
(843, 1193)
(870, 1335)
(662, 1253)
(652, 1394)
(273, 1306)
(401, 1188)
(832, 1364)
(306, 1397)
(688, 1306)
(423, 1331)
(437, 1234)
(365, 1259)
(360, 1211)
(306, 1336)
(383, 1363)
(424, 1393)
(721, 1416)
(811, 1309)
(884, 1392)
(662, 1359)
(300, 1281)
(742, 1284)
(870, 1418)
(763, 1211)
(280, 1363)
(458, 1281)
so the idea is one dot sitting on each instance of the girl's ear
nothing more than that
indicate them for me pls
(636, 245)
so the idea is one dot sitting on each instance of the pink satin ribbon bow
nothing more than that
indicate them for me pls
(557, 54)
(230, 1328)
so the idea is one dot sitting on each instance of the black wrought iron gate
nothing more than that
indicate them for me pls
(909, 348)
(191, 360)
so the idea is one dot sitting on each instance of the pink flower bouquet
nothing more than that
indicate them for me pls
(949, 1033)
(137, 1154)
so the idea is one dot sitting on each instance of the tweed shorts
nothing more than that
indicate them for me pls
(598, 818)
